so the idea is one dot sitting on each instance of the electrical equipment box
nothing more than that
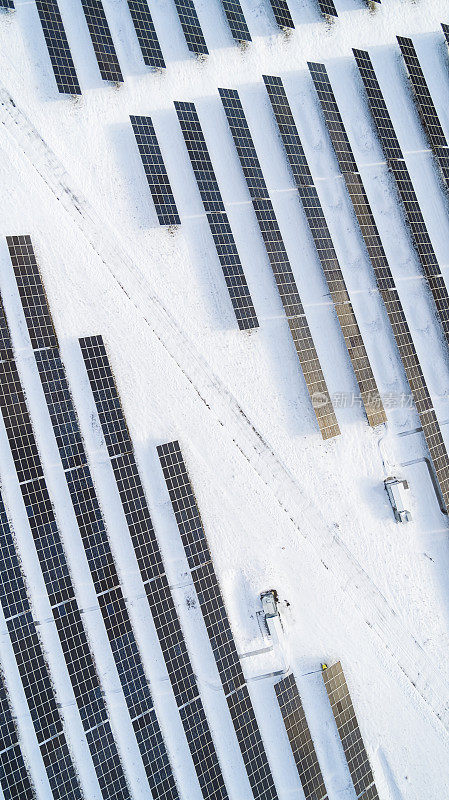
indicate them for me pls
(396, 490)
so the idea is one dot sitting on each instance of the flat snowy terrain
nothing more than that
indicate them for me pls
(281, 508)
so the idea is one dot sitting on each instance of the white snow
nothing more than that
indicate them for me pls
(284, 510)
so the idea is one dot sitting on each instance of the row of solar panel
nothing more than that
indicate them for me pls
(103, 44)
(301, 741)
(26, 643)
(229, 258)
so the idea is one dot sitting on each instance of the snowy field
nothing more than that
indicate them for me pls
(282, 509)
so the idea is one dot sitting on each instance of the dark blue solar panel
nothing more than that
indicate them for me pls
(395, 159)
(14, 778)
(282, 14)
(191, 27)
(426, 107)
(7, 4)
(102, 40)
(155, 171)
(445, 31)
(146, 33)
(58, 47)
(93, 532)
(33, 669)
(160, 599)
(217, 216)
(280, 263)
(383, 277)
(327, 8)
(325, 250)
(216, 620)
(236, 20)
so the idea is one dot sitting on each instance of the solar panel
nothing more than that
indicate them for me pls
(58, 47)
(191, 27)
(217, 216)
(426, 108)
(149, 559)
(280, 264)
(102, 41)
(146, 33)
(384, 278)
(57, 579)
(236, 20)
(300, 738)
(413, 214)
(216, 620)
(33, 669)
(154, 167)
(14, 777)
(325, 250)
(282, 14)
(91, 523)
(7, 4)
(445, 31)
(327, 8)
(349, 732)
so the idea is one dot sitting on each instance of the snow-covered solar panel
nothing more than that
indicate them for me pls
(236, 20)
(53, 562)
(280, 263)
(92, 527)
(217, 216)
(58, 47)
(102, 41)
(33, 669)
(327, 8)
(155, 171)
(14, 777)
(325, 250)
(191, 27)
(7, 4)
(445, 31)
(282, 13)
(426, 108)
(384, 278)
(146, 33)
(149, 559)
(300, 738)
(395, 160)
(216, 620)
(349, 732)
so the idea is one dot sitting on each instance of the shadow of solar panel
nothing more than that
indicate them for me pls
(236, 20)
(146, 33)
(42, 521)
(325, 250)
(8, 5)
(217, 217)
(14, 777)
(102, 41)
(149, 559)
(280, 264)
(426, 108)
(191, 27)
(327, 8)
(33, 669)
(155, 171)
(58, 47)
(384, 277)
(216, 620)
(349, 732)
(282, 14)
(300, 739)
(93, 532)
(396, 163)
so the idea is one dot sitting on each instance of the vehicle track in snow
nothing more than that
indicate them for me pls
(328, 549)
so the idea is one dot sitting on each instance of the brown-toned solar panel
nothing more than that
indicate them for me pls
(349, 732)
(325, 250)
(384, 277)
(300, 739)
(280, 265)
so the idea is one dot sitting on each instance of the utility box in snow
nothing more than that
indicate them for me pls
(396, 490)
(269, 603)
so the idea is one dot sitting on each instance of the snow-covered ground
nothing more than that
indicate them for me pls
(282, 509)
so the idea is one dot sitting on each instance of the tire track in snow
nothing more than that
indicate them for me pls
(327, 547)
